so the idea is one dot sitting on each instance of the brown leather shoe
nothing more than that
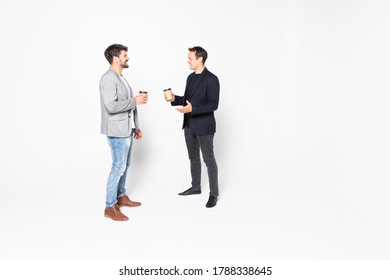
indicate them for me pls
(115, 213)
(125, 201)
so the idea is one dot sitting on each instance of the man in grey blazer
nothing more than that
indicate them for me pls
(118, 111)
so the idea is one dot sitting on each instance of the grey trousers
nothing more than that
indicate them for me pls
(204, 143)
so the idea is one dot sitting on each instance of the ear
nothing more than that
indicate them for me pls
(115, 59)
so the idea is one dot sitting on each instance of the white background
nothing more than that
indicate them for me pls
(302, 138)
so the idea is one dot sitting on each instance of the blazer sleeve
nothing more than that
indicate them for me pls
(179, 100)
(212, 98)
(108, 91)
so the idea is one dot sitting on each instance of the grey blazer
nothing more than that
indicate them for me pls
(117, 103)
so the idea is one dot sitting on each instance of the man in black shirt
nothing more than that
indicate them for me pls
(199, 102)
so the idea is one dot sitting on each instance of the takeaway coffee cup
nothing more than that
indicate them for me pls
(168, 94)
(144, 94)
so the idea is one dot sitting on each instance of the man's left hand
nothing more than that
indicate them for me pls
(186, 109)
(138, 135)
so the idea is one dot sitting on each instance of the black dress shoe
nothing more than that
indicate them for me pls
(190, 191)
(212, 201)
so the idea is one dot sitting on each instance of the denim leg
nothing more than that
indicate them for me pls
(194, 155)
(207, 148)
(119, 151)
(122, 180)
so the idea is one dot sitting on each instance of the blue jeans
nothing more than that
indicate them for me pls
(121, 154)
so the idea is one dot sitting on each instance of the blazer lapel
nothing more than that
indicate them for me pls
(128, 88)
(198, 83)
(124, 83)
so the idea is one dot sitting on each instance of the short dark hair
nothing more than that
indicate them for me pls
(114, 50)
(199, 52)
